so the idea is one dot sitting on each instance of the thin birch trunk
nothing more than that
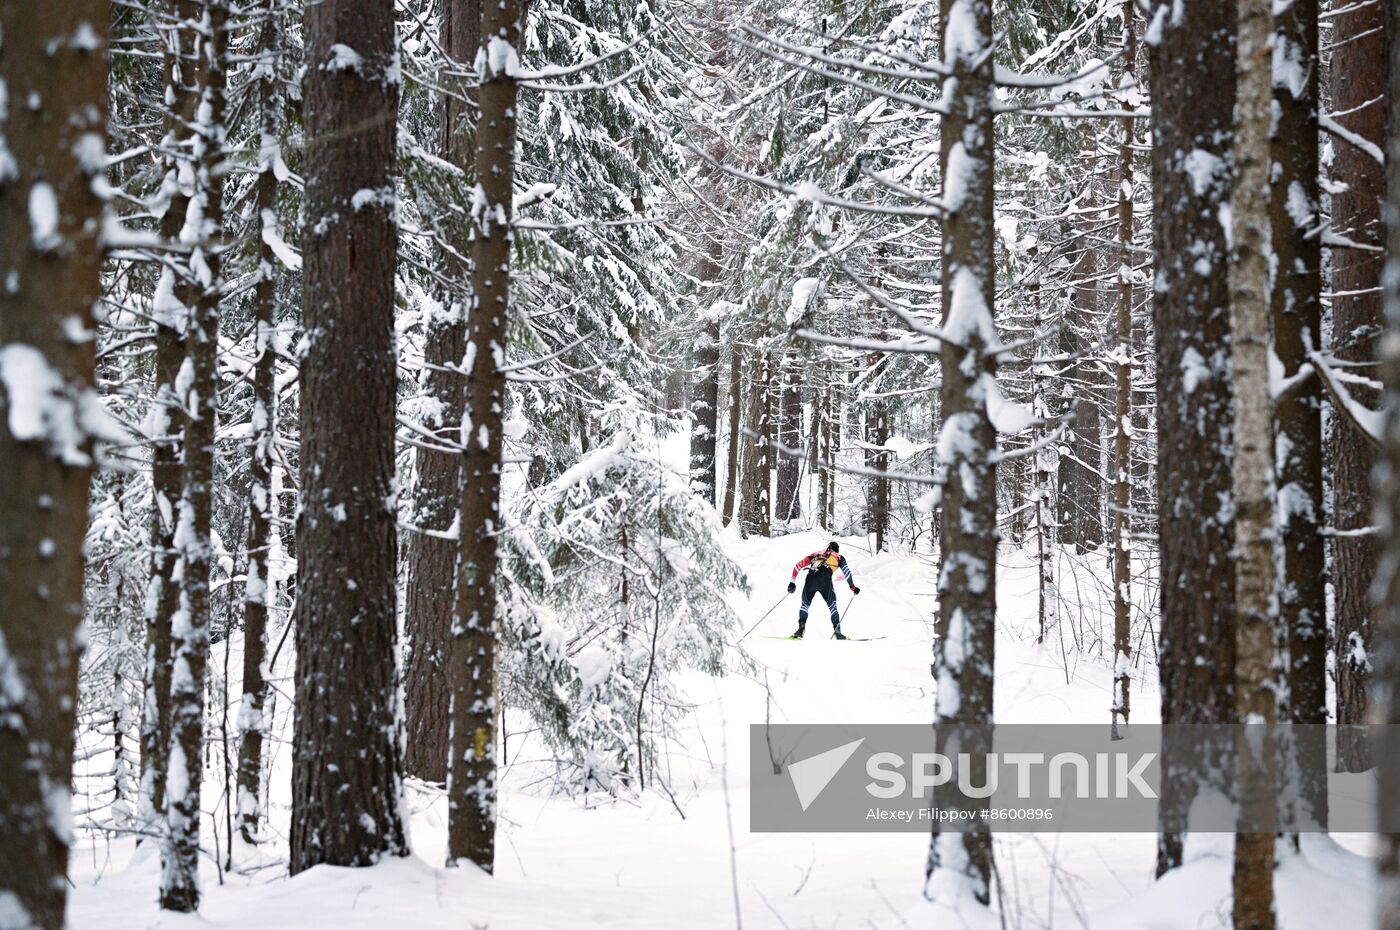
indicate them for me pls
(1253, 469)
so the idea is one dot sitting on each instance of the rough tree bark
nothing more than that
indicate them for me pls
(731, 471)
(1386, 679)
(821, 437)
(835, 380)
(789, 500)
(1123, 397)
(49, 157)
(189, 636)
(1256, 685)
(704, 404)
(432, 560)
(1296, 309)
(961, 863)
(345, 784)
(1192, 73)
(754, 509)
(165, 423)
(1358, 98)
(259, 596)
(1081, 493)
(879, 435)
(471, 770)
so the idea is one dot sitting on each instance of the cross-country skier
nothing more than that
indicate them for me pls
(821, 567)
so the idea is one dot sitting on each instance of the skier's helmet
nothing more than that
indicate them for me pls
(834, 546)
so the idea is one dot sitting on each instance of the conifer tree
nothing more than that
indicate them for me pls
(345, 786)
(51, 162)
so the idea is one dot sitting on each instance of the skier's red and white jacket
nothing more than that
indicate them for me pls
(825, 561)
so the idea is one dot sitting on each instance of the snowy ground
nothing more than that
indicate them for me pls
(692, 862)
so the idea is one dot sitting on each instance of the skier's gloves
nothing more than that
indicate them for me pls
(792, 586)
(855, 590)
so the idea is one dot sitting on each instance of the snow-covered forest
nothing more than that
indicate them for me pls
(411, 413)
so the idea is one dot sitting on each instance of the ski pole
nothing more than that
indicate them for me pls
(762, 618)
(846, 616)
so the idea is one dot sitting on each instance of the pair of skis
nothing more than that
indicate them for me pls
(849, 639)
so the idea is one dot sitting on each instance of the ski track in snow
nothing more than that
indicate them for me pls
(637, 864)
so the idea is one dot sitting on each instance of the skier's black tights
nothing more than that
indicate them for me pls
(818, 583)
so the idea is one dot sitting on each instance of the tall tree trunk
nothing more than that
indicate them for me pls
(835, 379)
(1256, 686)
(259, 595)
(50, 157)
(1386, 679)
(821, 433)
(1123, 398)
(1048, 600)
(1358, 97)
(1296, 310)
(731, 472)
(1080, 490)
(754, 501)
(165, 423)
(189, 644)
(789, 500)
(704, 404)
(471, 772)
(432, 559)
(964, 658)
(880, 461)
(1193, 89)
(346, 765)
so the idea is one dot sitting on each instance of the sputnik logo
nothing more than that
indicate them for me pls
(811, 776)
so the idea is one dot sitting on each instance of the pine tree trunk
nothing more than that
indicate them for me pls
(704, 404)
(189, 644)
(1296, 310)
(1386, 678)
(766, 431)
(758, 472)
(821, 431)
(346, 765)
(259, 595)
(834, 381)
(880, 487)
(731, 473)
(1256, 617)
(471, 773)
(166, 422)
(1123, 399)
(1080, 491)
(52, 155)
(432, 560)
(789, 500)
(1192, 77)
(748, 448)
(1358, 98)
(964, 658)
(754, 490)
